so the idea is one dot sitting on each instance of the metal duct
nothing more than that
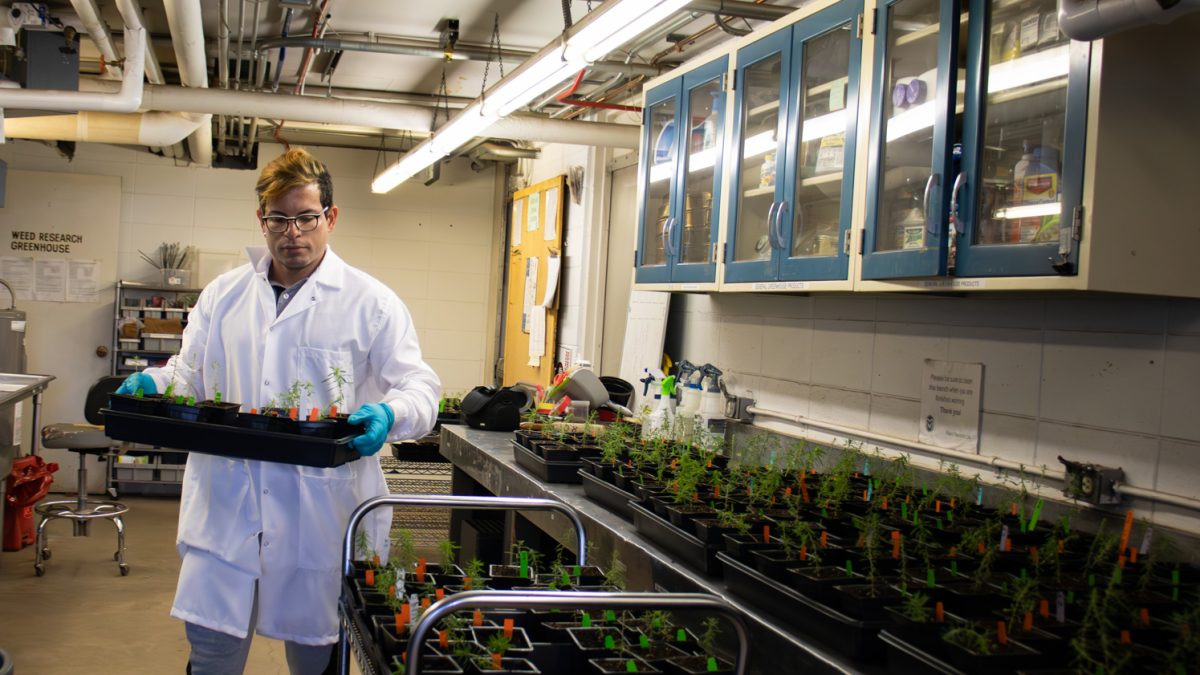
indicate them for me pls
(154, 129)
(187, 36)
(126, 99)
(1094, 19)
(741, 10)
(498, 152)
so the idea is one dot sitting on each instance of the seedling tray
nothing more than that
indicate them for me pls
(849, 636)
(228, 441)
(607, 494)
(682, 544)
(547, 472)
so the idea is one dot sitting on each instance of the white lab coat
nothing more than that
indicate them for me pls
(283, 524)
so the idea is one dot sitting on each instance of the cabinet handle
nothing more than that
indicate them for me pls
(959, 181)
(671, 237)
(666, 227)
(771, 224)
(779, 223)
(933, 180)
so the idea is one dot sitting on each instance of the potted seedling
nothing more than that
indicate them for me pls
(709, 661)
(216, 410)
(977, 647)
(521, 570)
(448, 559)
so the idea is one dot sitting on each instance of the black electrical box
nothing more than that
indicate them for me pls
(51, 60)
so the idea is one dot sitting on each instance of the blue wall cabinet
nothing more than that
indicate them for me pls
(978, 123)
(680, 175)
(793, 149)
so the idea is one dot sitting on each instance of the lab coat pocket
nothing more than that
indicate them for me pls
(331, 372)
(215, 512)
(326, 500)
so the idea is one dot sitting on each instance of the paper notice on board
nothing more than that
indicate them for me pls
(530, 292)
(518, 209)
(553, 263)
(537, 333)
(18, 272)
(532, 222)
(82, 278)
(49, 280)
(550, 229)
(951, 397)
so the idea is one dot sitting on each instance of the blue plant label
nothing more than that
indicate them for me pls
(979, 497)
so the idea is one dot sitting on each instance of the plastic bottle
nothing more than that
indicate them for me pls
(712, 407)
(1035, 180)
(660, 421)
(710, 122)
(688, 407)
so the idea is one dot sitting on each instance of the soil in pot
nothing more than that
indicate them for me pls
(218, 412)
(146, 404)
(620, 666)
(506, 577)
(698, 665)
(597, 641)
(431, 664)
(518, 639)
(509, 665)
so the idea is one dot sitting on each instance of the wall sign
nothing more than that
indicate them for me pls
(951, 398)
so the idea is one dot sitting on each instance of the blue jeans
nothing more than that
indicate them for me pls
(217, 653)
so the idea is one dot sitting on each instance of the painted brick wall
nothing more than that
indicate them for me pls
(1114, 380)
(431, 245)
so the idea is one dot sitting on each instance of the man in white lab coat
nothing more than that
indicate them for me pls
(261, 541)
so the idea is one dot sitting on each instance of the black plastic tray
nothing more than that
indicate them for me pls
(907, 658)
(228, 441)
(682, 544)
(851, 637)
(606, 494)
(547, 472)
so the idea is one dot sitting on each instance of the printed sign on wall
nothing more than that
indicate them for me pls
(951, 398)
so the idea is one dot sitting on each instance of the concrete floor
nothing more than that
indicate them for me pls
(83, 616)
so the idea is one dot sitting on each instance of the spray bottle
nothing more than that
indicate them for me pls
(712, 406)
(690, 405)
(660, 421)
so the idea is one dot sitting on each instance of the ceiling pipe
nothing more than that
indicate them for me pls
(223, 63)
(186, 23)
(543, 130)
(155, 129)
(89, 17)
(126, 99)
(306, 62)
(741, 10)
(498, 152)
(1094, 19)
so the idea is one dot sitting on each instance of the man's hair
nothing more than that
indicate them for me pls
(294, 168)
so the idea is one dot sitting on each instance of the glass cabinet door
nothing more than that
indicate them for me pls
(815, 215)
(691, 237)
(659, 165)
(1023, 142)
(916, 100)
(759, 144)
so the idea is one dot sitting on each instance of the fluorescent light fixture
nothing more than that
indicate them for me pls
(625, 20)
(467, 124)
(535, 79)
(1030, 211)
(413, 162)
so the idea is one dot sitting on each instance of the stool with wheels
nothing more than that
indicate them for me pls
(84, 439)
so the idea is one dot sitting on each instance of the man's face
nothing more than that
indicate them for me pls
(295, 250)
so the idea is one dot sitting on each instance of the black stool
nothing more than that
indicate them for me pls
(85, 439)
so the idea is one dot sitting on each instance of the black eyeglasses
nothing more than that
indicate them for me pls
(305, 222)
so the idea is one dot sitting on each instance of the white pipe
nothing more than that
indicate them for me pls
(127, 98)
(89, 17)
(153, 68)
(983, 460)
(1093, 19)
(1156, 496)
(540, 129)
(187, 35)
(153, 128)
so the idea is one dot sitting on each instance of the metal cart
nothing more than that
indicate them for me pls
(351, 630)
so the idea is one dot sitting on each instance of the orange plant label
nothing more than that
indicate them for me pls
(1133, 554)
(981, 548)
(497, 661)
(1027, 622)
(716, 492)
(508, 629)
(375, 560)
(766, 534)
(895, 544)
(421, 564)
(444, 638)
(333, 411)
(937, 506)
(1144, 615)
(1125, 638)
(1033, 555)
(953, 551)
(803, 491)
(1044, 608)
(803, 553)
(824, 539)
(477, 618)
(952, 502)
(1001, 633)
(939, 612)
(1121, 561)
(439, 593)
(467, 583)
(314, 414)
(787, 492)
(1125, 531)
(883, 505)
(1008, 545)
(294, 413)
(370, 577)
(392, 591)
(1061, 545)
(1014, 508)
(254, 411)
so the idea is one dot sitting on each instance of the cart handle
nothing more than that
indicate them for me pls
(572, 600)
(479, 503)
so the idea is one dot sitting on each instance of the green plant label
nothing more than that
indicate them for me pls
(1037, 513)
(1024, 573)
(1175, 577)
(1091, 580)
(191, 400)
(954, 567)
(139, 393)
(711, 666)
(1118, 574)
(631, 666)
(217, 397)
(950, 516)
(609, 643)
(643, 641)
(566, 579)
(610, 615)
(524, 564)
(939, 523)
(681, 635)
(903, 511)
(577, 571)
(929, 578)
(1070, 597)
(849, 568)
(586, 620)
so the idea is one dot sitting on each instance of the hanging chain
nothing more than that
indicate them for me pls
(589, 4)
(443, 99)
(493, 46)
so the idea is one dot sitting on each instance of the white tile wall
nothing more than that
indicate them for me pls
(429, 244)
(1112, 380)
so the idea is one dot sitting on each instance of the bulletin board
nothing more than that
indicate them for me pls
(535, 257)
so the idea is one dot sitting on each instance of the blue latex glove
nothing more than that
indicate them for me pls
(138, 381)
(378, 419)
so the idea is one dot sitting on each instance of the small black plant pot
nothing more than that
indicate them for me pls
(1005, 658)
(317, 428)
(518, 643)
(508, 665)
(183, 411)
(620, 666)
(431, 664)
(147, 404)
(507, 577)
(267, 422)
(696, 665)
(215, 412)
(591, 641)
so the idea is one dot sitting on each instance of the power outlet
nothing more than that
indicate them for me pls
(1092, 483)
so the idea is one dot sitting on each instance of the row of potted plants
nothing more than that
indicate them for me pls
(386, 600)
(856, 539)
